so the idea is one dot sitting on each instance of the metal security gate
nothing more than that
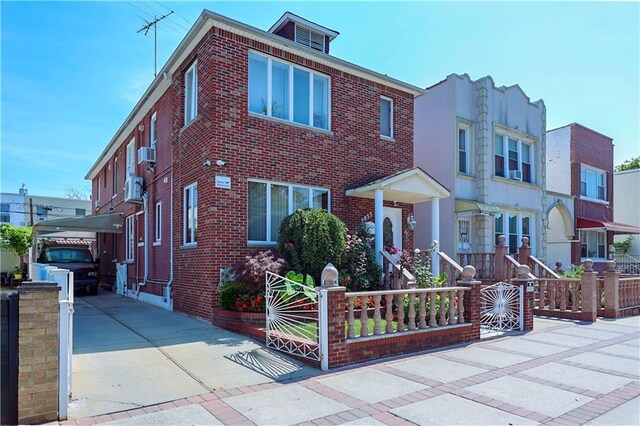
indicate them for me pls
(292, 317)
(501, 307)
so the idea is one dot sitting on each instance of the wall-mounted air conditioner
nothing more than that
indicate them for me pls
(133, 190)
(146, 155)
(515, 174)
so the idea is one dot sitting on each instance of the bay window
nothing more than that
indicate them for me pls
(513, 158)
(280, 90)
(592, 244)
(592, 183)
(269, 203)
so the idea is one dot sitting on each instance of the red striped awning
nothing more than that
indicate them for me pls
(616, 227)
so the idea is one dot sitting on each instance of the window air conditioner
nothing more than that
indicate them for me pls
(515, 174)
(133, 190)
(146, 155)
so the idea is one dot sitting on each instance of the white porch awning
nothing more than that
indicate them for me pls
(80, 227)
(410, 186)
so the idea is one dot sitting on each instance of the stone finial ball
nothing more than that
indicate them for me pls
(558, 264)
(523, 271)
(501, 240)
(611, 265)
(588, 265)
(329, 275)
(468, 272)
(525, 241)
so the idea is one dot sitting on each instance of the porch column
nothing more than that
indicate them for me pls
(435, 235)
(378, 218)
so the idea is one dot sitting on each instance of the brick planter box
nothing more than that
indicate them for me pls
(250, 324)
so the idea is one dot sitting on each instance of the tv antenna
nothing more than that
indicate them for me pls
(146, 28)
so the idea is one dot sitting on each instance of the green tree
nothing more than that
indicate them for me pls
(631, 164)
(14, 239)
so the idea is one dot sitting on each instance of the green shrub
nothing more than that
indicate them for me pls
(359, 271)
(309, 239)
(574, 272)
(229, 294)
(14, 239)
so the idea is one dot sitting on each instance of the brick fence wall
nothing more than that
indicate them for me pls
(38, 346)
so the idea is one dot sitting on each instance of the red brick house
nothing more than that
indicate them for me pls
(581, 164)
(240, 128)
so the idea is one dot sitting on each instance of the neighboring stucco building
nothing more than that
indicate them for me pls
(487, 145)
(241, 128)
(580, 165)
(626, 205)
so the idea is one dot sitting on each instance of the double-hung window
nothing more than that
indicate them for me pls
(152, 131)
(592, 244)
(513, 158)
(158, 223)
(463, 150)
(129, 239)
(131, 158)
(99, 184)
(115, 176)
(190, 234)
(386, 117)
(280, 90)
(5, 212)
(517, 226)
(593, 183)
(269, 203)
(191, 93)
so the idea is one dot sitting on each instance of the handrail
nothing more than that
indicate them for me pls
(450, 261)
(544, 267)
(404, 291)
(515, 263)
(408, 276)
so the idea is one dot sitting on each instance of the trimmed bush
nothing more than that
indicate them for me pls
(252, 272)
(309, 239)
(229, 294)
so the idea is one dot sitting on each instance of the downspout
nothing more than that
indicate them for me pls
(145, 203)
(169, 287)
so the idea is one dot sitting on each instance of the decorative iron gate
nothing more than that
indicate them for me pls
(292, 316)
(501, 307)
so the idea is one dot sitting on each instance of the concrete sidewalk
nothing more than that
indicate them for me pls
(562, 373)
(129, 354)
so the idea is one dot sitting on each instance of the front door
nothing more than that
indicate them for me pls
(392, 228)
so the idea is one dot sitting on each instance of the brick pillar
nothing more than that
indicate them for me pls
(611, 291)
(589, 290)
(498, 257)
(524, 251)
(337, 348)
(472, 303)
(527, 297)
(38, 345)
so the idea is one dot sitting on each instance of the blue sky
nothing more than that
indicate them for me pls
(72, 71)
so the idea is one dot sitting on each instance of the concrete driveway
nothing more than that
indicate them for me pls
(129, 354)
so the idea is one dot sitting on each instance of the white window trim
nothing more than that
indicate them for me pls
(392, 136)
(519, 216)
(606, 248)
(158, 224)
(505, 157)
(129, 238)
(269, 183)
(269, 94)
(131, 159)
(153, 131)
(98, 191)
(115, 177)
(194, 94)
(597, 171)
(184, 214)
(467, 142)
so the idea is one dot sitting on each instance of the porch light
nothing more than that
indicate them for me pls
(411, 222)
(329, 276)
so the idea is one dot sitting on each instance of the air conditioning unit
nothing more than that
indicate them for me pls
(146, 155)
(515, 174)
(133, 190)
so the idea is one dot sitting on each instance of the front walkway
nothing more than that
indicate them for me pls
(562, 373)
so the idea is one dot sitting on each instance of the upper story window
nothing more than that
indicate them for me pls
(98, 184)
(5, 212)
(513, 158)
(593, 183)
(269, 203)
(131, 158)
(152, 131)
(115, 176)
(463, 150)
(191, 93)
(386, 117)
(190, 233)
(81, 212)
(280, 90)
(309, 38)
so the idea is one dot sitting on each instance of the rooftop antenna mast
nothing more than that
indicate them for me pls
(155, 37)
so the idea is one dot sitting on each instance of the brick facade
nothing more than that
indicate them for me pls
(350, 154)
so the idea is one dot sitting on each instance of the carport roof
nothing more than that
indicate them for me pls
(106, 223)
